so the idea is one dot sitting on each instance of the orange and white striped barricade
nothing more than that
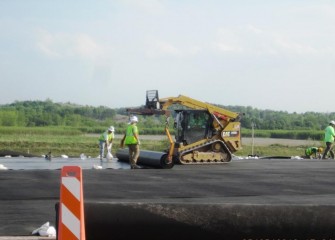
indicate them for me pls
(71, 224)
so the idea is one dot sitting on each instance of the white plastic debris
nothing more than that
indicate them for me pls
(83, 156)
(109, 156)
(2, 167)
(8, 156)
(252, 157)
(95, 166)
(237, 157)
(64, 156)
(296, 157)
(45, 230)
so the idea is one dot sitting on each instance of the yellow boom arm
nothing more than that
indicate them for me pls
(198, 105)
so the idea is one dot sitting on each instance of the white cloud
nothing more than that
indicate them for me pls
(228, 41)
(62, 45)
(319, 10)
(162, 48)
(254, 29)
(44, 43)
(250, 39)
(150, 6)
(194, 50)
(86, 47)
(290, 46)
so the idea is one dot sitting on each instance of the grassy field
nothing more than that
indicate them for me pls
(58, 144)
(70, 142)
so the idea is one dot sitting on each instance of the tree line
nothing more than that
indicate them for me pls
(48, 113)
(282, 120)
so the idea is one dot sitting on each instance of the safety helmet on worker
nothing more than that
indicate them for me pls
(111, 129)
(332, 122)
(133, 119)
(320, 149)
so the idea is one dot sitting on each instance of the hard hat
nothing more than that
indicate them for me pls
(332, 122)
(133, 119)
(111, 128)
(320, 149)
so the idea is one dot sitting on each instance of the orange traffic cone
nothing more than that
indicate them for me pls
(71, 224)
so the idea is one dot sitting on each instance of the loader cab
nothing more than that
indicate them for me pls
(192, 126)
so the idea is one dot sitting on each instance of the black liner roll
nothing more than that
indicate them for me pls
(146, 158)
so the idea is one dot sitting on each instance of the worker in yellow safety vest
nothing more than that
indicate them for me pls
(313, 152)
(132, 141)
(329, 139)
(106, 141)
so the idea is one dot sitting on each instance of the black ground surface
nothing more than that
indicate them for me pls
(245, 199)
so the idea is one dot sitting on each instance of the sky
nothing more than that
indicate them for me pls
(267, 54)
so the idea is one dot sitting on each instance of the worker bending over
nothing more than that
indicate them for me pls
(313, 152)
(106, 141)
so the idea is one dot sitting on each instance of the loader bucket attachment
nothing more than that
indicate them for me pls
(152, 100)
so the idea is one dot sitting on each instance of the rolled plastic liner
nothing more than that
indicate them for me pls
(146, 158)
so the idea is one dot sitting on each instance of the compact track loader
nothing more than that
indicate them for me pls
(204, 133)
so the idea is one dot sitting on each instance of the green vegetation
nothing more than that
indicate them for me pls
(47, 113)
(71, 142)
(64, 128)
(85, 119)
(286, 134)
(92, 119)
(280, 120)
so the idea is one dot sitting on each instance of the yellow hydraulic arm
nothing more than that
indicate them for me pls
(197, 105)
